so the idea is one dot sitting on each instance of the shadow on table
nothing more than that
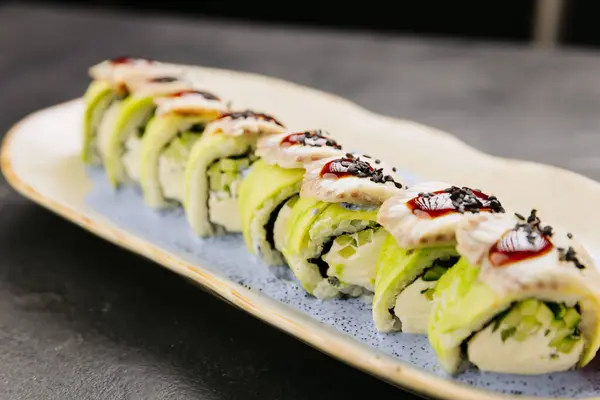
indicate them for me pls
(94, 313)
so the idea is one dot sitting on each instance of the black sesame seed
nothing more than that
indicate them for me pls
(532, 217)
(465, 200)
(570, 235)
(547, 231)
(317, 139)
(355, 166)
(569, 256)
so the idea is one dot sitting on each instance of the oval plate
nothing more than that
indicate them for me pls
(40, 159)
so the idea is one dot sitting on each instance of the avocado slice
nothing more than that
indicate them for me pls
(264, 191)
(135, 112)
(465, 305)
(205, 152)
(312, 228)
(97, 99)
(397, 270)
(160, 131)
(296, 249)
(280, 226)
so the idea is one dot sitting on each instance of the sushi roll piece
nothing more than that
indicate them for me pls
(420, 247)
(110, 86)
(523, 299)
(179, 120)
(216, 168)
(333, 237)
(123, 149)
(268, 192)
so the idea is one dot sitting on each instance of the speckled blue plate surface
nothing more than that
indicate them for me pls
(227, 256)
(40, 158)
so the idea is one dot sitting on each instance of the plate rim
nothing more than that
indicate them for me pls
(407, 377)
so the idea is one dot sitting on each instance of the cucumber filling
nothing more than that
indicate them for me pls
(413, 304)
(224, 178)
(349, 260)
(172, 163)
(531, 337)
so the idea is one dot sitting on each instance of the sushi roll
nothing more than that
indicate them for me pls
(110, 86)
(268, 192)
(179, 121)
(216, 167)
(333, 237)
(419, 248)
(124, 144)
(523, 299)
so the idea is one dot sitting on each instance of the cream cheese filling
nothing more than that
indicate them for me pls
(531, 338)
(413, 306)
(532, 355)
(171, 176)
(353, 258)
(223, 210)
(131, 157)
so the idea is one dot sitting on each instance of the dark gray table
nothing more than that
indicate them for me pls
(82, 319)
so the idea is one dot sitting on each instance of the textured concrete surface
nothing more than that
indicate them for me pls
(82, 319)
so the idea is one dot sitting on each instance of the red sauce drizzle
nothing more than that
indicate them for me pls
(509, 249)
(251, 114)
(453, 200)
(345, 166)
(206, 95)
(191, 113)
(419, 206)
(293, 139)
(127, 60)
(351, 165)
(300, 138)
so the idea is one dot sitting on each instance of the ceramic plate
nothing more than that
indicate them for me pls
(40, 158)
